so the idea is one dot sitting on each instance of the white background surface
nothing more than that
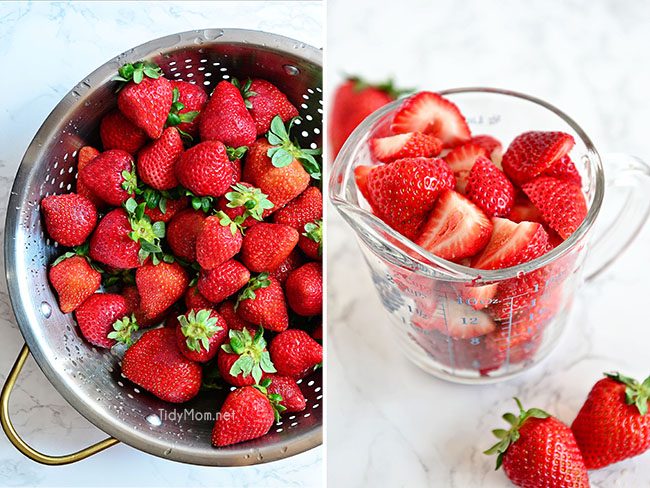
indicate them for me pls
(45, 49)
(389, 423)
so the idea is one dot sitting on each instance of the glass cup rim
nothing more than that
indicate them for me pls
(341, 177)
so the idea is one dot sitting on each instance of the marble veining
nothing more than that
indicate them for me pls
(50, 46)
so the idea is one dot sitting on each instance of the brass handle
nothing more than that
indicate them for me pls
(20, 444)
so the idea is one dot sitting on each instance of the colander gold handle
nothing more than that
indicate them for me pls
(20, 444)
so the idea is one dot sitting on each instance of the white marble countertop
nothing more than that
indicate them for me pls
(45, 49)
(389, 423)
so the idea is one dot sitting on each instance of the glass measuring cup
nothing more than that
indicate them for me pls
(475, 326)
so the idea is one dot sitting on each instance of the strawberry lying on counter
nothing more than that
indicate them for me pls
(194, 240)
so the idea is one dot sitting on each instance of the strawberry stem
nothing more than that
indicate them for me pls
(636, 393)
(314, 231)
(245, 91)
(174, 117)
(137, 71)
(284, 151)
(146, 233)
(253, 359)
(251, 198)
(123, 330)
(198, 327)
(387, 87)
(255, 283)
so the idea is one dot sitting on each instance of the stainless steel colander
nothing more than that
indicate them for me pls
(88, 378)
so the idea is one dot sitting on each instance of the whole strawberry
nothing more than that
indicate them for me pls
(490, 189)
(156, 364)
(311, 240)
(111, 176)
(225, 280)
(294, 353)
(74, 280)
(220, 240)
(183, 232)
(69, 218)
(266, 246)
(264, 101)
(613, 424)
(118, 132)
(188, 102)
(304, 289)
(96, 316)
(200, 333)
(146, 98)
(354, 100)
(246, 414)
(156, 161)
(292, 398)
(225, 117)
(243, 359)
(160, 286)
(539, 451)
(262, 302)
(205, 169)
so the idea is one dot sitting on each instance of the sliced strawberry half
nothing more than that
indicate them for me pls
(565, 169)
(532, 153)
(490, 189)
(561, 203)
(432, 114)
(512, 244)
(492, 147)
(461, 160)
(409, 145)
(454, 320)
(455, 229)
(477, 297)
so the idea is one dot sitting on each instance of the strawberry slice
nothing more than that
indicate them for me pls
(432, 114)
(477, 297)
(523, 209)
(490, 189)
(560, 202)
(512, 244)
(461, 160)
(565, 169)
(453, 319)
(455, 229)
(532, 153)
(492, 147)
(403, 193)
(361, 177)
(409, 145)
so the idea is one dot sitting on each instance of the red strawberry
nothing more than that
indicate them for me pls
(156, 161)
(243, 359)
(539, 451)
(490, 189)
(532, 153)
(266, 246)
(183, 232)
(512, 244)
(246, 414)
(156, 364)
(220, 240)
(476, 296)
(455, 229)
(305, 208)
(171, 206)
(561, 203)
(434, 115)
(492, 146)
(262, 302)
(455, 320)
(118, 132)
(246, 202)
(354, 100)
(317, 333)
(227, 310)
(223, 281)
(295, 353)
(403, 193)
(409, 145)
(512, 342)
(265, 101)
(96, 316)
(293, 261)
(69, 218)
(193, 99)
(205, 169)
(194, 299)
(523, 209)
(146, 98)
(226, 119)
(461, 160)
(613, 424)
(86, 155)
(110, 176)
(311, 241)
(281, 184)
(132, 297)
(516, 296)
(292, 398)
(160, 286)
(361, 178)
(74, 280)
(564, 169)
(200, 333)
(304, 289)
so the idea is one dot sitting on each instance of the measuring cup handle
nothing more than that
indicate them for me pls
(631, 175)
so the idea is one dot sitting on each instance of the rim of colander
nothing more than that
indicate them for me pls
(342, 169)
(143, 441)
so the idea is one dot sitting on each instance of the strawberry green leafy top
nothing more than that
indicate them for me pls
(635, 393)
(284, 151)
